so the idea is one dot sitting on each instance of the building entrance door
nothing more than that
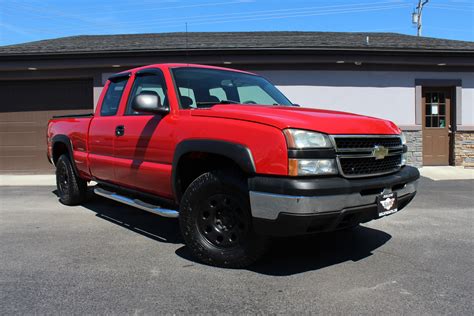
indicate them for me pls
(436, 103)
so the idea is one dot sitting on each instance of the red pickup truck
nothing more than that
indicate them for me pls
(232, 157)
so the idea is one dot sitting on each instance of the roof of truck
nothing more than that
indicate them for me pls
(178, 65)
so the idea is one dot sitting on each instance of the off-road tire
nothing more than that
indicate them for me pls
(72, 190)
(224, 238)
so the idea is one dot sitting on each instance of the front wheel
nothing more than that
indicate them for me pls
(216, 222)
(72, 190)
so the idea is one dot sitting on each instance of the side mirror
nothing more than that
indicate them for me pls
(149, 102)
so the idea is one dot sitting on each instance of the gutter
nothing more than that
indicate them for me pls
(243, 49)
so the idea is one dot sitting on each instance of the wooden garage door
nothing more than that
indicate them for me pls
(25, 108)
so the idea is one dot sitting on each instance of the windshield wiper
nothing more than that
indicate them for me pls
(220, 102)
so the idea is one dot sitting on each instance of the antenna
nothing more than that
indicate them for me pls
(187, 55)
(186, 43)
(416, 16)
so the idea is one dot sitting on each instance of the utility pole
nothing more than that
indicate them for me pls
(416, 16)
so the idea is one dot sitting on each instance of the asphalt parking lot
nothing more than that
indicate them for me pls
(104, 257)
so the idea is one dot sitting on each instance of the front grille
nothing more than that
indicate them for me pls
(367, 142)
(369, 166)
(355, 155)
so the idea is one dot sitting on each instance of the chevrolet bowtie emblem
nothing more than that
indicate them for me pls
(379, 152)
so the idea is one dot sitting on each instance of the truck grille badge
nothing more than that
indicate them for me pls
(379, 152)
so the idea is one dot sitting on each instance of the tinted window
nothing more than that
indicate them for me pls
(202, 87)
(254, 94)
(112, 97)
(218, 93)
(187, 98)
(147, 82)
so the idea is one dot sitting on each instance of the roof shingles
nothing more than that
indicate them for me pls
(235, 41)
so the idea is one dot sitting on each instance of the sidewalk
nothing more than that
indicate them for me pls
(433, 173)
(447, 173)
(28, 180)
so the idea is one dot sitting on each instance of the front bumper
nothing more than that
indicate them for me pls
(289, 206)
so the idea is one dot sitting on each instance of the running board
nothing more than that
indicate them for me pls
(136, 203)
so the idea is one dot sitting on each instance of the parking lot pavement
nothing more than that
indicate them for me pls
(104, 257)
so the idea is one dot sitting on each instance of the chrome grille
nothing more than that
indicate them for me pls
(355, 154)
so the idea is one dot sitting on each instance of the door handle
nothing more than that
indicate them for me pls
(120, 130)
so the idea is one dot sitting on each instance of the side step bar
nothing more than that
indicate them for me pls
(136, 203)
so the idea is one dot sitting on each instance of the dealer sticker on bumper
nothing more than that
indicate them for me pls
(387, 204)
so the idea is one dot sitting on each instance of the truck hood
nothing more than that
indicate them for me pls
(325, 121)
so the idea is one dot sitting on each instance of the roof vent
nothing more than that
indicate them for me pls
(367, 41)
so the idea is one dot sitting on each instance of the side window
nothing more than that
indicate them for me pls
(188, 100)
(147, 82)
(112, 97)
(254, 94)
(218, 93)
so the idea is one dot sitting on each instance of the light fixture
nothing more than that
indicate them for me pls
(441, 64)
(358, 63)
(227, 63)
(340, 62)
(116, 66)
(32, 68)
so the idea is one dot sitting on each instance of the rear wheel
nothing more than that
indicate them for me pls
(216, 221)
(71, 189)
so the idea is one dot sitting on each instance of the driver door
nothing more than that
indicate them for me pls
(141, 151)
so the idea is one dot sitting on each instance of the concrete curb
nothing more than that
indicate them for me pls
(433, 173)
(439, 173)
(28, 180)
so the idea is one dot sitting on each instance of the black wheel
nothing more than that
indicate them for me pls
(71, 189)
(216, 222)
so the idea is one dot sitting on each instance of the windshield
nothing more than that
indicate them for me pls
(203, 87)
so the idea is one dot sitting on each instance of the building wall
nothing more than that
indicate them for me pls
(386, 94)
(464, 149)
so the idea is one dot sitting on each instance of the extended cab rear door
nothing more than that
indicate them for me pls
(103, 129)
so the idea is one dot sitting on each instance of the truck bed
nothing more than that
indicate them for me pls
(76, 129)
(73, 115)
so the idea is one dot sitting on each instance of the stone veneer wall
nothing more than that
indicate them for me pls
(415, 148)
(464, 148)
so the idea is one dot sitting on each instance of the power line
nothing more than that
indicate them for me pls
(258, 15)
(249, 16)
(301, 14)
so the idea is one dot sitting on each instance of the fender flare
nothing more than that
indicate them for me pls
(238, 153)
(60, 138)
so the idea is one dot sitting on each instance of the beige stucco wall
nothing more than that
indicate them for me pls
(385, 94)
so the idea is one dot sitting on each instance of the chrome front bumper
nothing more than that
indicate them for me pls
(269, 205)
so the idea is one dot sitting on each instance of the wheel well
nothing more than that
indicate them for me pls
(194, 164)
(59, 148)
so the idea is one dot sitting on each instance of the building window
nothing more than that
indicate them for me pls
(435, 111)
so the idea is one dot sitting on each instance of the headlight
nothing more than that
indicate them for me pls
(299, 139)
(311, 167)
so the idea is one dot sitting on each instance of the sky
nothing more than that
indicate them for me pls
(24, 21)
